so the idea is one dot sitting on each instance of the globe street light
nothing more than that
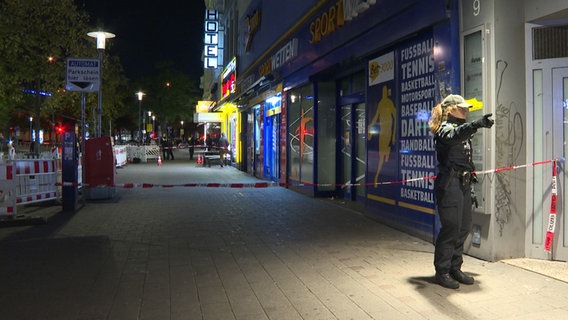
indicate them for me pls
(101, 37)
(140, 94)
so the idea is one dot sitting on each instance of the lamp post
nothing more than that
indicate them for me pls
(101, 37)
(144, 127)
(150, 123)
(140, 94)
(31, 129)
(153, 130)
(181, 131)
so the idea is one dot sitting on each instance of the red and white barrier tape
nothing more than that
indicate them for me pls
(199, 146)
(549, 237)
(202, 185)
(276, 184)
(496, 170)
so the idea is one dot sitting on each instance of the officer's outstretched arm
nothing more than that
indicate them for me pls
(484, 122)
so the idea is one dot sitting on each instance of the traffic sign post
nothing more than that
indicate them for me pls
(83, 75)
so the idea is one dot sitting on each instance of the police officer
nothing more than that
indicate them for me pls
(452, 139)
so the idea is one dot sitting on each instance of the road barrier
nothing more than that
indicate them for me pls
(26, 181)
(143, 153)
(121, 155)
(7, 189)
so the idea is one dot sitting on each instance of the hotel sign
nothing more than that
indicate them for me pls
(211, 40)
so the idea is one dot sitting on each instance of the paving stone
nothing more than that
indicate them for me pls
(228, 253)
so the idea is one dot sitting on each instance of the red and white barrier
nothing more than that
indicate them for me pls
(144, 153)
(7, 189)
(121, 155)
(26, 181)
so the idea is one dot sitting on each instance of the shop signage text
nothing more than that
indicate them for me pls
(252, 24)
(334, 18)
(211, 39)
(203, 106)
(285, 54)
(288, 52)
(417, 98)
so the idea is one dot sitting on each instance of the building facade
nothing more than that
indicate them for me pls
(332, 98)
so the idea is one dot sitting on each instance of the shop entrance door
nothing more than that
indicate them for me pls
(560, 147)
(352, 151)
(271, 149)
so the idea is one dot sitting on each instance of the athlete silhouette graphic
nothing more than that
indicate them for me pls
(385, 117)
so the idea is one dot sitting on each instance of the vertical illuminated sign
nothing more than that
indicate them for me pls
(229, 79)
(211, 39)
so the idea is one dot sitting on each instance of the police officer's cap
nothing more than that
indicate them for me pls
(455, 100)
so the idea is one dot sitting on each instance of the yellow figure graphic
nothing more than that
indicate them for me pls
(386, 119)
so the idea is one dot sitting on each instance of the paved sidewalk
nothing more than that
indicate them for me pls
(242, 253)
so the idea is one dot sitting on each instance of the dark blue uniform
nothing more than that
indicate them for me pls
(453, 192)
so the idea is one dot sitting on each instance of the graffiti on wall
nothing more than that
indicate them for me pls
(510, 139)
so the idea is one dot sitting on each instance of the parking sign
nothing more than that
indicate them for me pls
(83, 75)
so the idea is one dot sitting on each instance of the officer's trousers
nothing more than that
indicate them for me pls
(454, 209)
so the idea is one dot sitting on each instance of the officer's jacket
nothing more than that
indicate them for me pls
(453, 145)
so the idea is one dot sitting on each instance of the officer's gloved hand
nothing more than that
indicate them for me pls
(484, 122)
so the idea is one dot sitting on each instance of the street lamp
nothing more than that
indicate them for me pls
(101, 37)
(140, 94)
(31, 129)
(153, 130)
(181, 131)
(149, 123)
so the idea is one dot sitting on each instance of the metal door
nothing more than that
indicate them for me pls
(560, 147)
(352, 150)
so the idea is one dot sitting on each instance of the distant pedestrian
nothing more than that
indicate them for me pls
(223, 147)
(170, 149)
(193, 141)
(164, 147)
(11, 151)
(207, 141)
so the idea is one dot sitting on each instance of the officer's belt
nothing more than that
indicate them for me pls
(465, 177)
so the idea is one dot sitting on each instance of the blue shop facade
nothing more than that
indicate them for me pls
(334, 99)
(353, 87)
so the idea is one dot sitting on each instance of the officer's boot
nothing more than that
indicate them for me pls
(446, 281)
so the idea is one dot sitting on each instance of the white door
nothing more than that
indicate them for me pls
(560, 148)
(550, 120)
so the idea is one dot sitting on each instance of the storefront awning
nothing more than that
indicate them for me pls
(254, 88)
(208, 117)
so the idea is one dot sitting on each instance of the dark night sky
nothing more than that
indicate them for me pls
(149, 31)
